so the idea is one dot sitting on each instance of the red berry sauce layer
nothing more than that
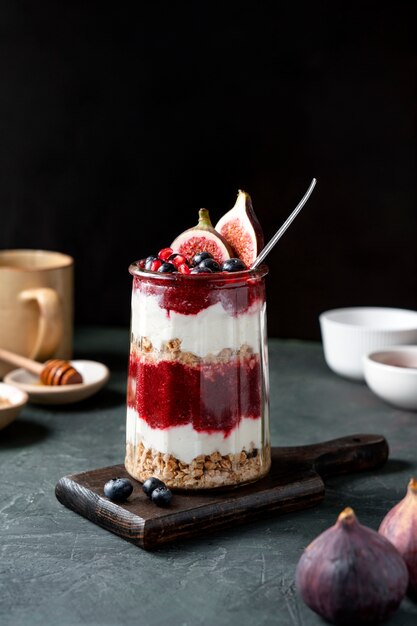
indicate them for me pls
(189, 295)
(212, 396)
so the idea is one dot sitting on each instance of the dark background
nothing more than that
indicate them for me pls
(117, 125)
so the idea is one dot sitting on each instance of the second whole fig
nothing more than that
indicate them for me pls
(351, 575)
(399, 526)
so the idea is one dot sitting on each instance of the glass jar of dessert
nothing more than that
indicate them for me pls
(197, 404)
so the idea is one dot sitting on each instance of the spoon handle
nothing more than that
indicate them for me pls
(21, 361)
(267, 249)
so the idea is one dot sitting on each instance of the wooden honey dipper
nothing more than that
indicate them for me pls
(52, 372)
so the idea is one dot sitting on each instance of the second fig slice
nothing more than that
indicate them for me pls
(241, 228)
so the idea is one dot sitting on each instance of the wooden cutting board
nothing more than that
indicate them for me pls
(294, 482)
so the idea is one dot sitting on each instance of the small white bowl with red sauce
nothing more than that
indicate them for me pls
(392, 375)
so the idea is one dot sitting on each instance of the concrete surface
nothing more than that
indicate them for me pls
(59, 568)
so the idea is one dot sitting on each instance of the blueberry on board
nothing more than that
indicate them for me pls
(200, 256)
(167, 268)
(151, 484)
(118, 489)
(233, 265)
(211, 264)
(161, 496)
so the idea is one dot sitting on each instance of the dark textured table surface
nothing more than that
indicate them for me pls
(58, 568)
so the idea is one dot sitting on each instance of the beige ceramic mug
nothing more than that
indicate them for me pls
(36, 304)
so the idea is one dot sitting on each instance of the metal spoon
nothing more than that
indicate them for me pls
(267, 249)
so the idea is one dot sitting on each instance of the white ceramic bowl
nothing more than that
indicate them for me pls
(392, 375)
(350, 333)
(11, 402)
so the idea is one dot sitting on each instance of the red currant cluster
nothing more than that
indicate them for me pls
(166, 262)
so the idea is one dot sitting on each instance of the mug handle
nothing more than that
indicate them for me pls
(50, 326)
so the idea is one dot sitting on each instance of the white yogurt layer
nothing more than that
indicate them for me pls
(206, 332)
(185, 443)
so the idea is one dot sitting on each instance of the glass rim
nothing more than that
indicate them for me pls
(215, 277)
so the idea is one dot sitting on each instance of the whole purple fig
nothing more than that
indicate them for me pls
(400, 527)
(351, 575)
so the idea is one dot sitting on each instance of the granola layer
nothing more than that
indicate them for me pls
(204, 471)
(142, 347)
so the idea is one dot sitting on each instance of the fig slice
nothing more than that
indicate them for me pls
(241, 228)
(202, 238)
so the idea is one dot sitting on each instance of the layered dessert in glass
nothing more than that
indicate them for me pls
(197, 402)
